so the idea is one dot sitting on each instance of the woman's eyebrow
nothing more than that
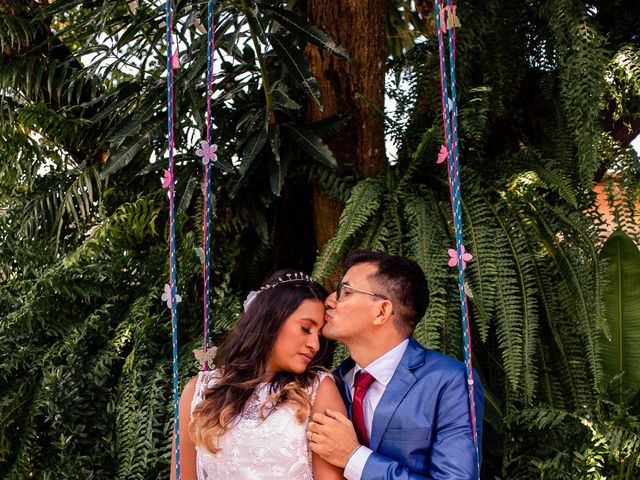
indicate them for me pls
(310, 320)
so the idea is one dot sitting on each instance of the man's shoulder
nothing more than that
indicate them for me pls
(435, 362)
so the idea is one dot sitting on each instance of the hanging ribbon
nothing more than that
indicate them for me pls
(446, 20)
(170, 182)
(207, 158)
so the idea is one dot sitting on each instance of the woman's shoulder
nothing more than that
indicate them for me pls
(201, 382)
(320, 374)
(318, 377)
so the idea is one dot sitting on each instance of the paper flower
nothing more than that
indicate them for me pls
(453, 261)
(166, 296)
(443, 154)
(166, 179)
(207, 152)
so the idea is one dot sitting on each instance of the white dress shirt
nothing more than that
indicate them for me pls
(382, 369)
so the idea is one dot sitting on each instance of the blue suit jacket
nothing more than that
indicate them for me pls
(422, 427)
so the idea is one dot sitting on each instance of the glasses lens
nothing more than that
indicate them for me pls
(338, 291)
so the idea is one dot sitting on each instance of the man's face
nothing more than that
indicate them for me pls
(353, 313)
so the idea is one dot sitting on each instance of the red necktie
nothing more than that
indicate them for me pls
(361, 384)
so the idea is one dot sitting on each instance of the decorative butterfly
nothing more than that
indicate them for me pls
(166, 179)
(443, 154)
(452, 17)
(166, 296)
(175, 60)
(200, 254)
(205, 357)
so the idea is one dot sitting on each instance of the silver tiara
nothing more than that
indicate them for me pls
(289, 277)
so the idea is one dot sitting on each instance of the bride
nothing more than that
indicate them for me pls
(247, 417)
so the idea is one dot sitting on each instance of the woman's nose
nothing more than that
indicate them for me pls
(314, 343)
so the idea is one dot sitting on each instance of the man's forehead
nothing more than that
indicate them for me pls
(359, 272)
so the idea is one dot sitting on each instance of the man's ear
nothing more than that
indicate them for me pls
(384, 313)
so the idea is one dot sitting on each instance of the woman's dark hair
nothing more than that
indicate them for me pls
(244, 356)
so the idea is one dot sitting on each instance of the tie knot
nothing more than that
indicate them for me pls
(363, 380)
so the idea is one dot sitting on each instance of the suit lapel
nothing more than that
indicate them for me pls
(401, 382)
(342, 370)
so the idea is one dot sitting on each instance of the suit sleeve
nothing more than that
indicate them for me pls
(452, 455)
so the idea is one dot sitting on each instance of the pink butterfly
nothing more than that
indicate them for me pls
(167, 179)
(166, 296)
(443, 154)
(175, 60)
(207, 152)
(453, 261)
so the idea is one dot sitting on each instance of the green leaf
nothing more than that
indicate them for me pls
(281, 98)
(311, 144)
(126, 153)
(254, 22)
(328, 127)
(621, 299)
(306, 31)
(252, 148)
(296, 65)
(277, 169)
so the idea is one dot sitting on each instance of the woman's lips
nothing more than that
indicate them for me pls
(306, 357)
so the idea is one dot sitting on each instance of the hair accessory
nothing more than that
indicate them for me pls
(291, 277)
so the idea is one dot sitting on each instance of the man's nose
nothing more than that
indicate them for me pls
(331, 301)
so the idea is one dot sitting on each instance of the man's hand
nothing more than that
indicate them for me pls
(333, 437)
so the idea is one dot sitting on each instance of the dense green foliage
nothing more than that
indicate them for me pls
(85, 350)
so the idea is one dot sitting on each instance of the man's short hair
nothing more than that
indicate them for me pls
(404, 282)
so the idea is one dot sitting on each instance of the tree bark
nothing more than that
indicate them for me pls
(354, 88)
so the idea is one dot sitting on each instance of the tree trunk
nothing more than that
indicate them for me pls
(359, 26)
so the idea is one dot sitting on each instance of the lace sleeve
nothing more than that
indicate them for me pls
(316, 383)
(205, 380)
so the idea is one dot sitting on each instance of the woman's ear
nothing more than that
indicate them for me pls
(384, 313)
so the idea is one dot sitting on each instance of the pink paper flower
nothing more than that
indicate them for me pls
(443, 154)
(453, 261)
(207, 152)
(167, 179)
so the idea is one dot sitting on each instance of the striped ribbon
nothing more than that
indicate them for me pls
(172, 233)
(450, 121)
(206, 221)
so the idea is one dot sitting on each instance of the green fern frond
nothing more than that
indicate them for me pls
(426, 241)
(363, 203)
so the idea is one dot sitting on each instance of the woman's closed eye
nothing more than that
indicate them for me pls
(306, 330)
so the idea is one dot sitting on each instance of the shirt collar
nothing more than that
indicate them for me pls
(383, 368)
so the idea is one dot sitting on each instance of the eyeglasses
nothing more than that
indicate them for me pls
(359, 290)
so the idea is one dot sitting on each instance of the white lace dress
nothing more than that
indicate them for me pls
(257, 449)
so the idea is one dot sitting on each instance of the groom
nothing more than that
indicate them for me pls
(409, 406)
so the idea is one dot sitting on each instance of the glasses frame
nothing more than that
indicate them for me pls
(359, 290)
